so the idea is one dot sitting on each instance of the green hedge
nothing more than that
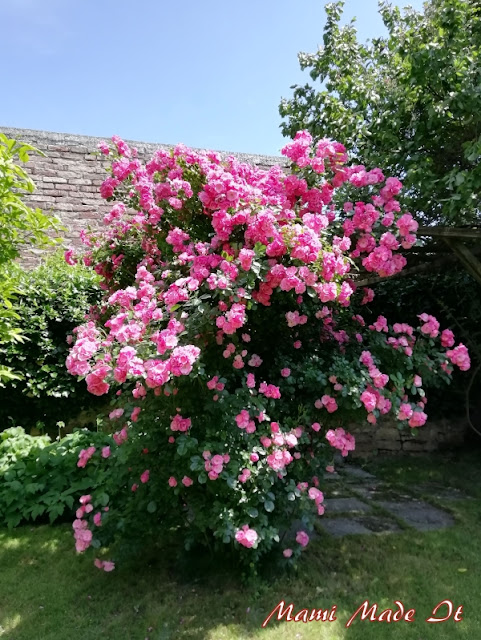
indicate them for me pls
(54, 299)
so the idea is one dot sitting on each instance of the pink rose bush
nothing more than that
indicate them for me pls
(233, 343)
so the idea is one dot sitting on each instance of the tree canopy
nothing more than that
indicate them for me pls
(409, 102)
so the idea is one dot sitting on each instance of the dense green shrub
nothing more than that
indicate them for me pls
(19, 225)
(54, 298)
(40, 478)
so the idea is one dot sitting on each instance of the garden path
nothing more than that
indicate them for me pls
(359, 503)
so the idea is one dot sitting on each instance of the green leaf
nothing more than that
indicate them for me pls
(269, 506)
(13, 520)
(152, 507)
(37, 510)
(103, 499)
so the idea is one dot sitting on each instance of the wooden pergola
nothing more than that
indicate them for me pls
(460, 245)
(445, 245)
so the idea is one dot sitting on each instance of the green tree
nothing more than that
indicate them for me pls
(19, 226)
(409, 102)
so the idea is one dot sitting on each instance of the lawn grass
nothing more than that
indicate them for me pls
(47, 592)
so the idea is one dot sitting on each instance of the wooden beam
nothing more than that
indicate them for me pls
(409, 271)
(450, 232)
(469, 261)
(422, 267)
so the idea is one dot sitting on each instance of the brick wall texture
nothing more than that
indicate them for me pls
(69, 175)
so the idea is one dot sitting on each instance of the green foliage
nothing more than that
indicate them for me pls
(409, 102)
(41, 478)
(19, 226)
(454, 297)
(53, 299)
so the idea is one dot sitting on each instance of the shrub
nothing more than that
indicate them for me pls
(19, 226)
(53, 299)
(40, 478)
(227, 331)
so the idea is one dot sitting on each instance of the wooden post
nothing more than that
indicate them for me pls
(469, 261)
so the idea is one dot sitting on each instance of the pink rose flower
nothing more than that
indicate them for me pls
(302, 538)
(246, 537)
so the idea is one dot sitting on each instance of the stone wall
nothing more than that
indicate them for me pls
(69, 175)
(385, 438)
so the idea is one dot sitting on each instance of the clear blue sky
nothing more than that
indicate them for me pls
(206, 73)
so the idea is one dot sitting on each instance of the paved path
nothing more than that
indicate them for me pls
(358, 503)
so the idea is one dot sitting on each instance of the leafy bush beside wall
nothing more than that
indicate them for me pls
(19, 226)
(54, 298)
(40, 478)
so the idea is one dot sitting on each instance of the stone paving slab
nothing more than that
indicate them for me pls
(419, 514)
(353, 515)
(357, 473)
(345, 505)
(367, 525)
(339, 527)
(450, 494)
(337, 492)
(331, 476)
(379, 492)
(379, 524)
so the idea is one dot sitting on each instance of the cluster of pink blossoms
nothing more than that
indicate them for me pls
(180, 424)
(328, 402)
(415, 418)
(84, 456)
(460, 357)
(217, 242)
(82, 534)
(341, 440)
(214, 465)
(247, 537)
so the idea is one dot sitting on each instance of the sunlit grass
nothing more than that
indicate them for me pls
(47, 592)
(10, 623)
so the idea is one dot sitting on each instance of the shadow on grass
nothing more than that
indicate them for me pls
(48, 592)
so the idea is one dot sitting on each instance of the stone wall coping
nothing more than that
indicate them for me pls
(71, 139)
